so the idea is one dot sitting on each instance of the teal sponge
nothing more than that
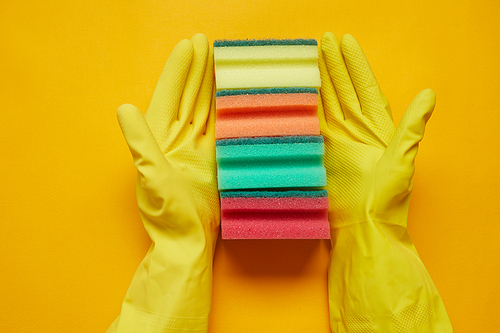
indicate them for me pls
(271, 162)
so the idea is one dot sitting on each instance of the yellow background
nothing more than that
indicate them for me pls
(70, 233)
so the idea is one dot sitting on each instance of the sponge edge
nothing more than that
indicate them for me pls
(267, 140)
(263, 42)
(274, 194)
(288, 90)
(303, 216)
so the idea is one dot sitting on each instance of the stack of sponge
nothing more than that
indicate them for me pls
(268, 143)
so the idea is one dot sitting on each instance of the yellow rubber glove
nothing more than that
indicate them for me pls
(174, 153)
(376, 280)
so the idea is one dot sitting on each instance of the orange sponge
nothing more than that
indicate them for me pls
(266, 114)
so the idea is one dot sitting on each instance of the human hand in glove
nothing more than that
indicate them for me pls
(376, 280)
(173, 150)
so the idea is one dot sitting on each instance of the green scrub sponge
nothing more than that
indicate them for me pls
(271, 162)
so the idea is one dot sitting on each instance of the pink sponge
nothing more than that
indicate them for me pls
(275, 215)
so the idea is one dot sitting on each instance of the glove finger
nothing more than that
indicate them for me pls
(339, 100)
(374, 105)
(329, 110)
(330, 47)
(194, 80)
(209, 128)
(404, 145)
(148, 158)
(164, 105)
(205, 97)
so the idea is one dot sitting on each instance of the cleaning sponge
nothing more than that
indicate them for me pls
(266, 112)
(268, 144)
(275, 215)
(266, 63)
(270, 162)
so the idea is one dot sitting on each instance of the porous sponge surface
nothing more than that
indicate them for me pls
(274, 194)
(274, 228)
(266, 66)
(273, 151)
(275, 218)
(258, 166)
(267, 115)
(260, 42)
(262, 91)
(269, 140)
(280, 217)
(266, 102)
(276, 204)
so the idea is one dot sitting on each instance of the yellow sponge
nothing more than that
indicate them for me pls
(241, 64)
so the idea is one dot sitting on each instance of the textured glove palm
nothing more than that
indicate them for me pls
(376, 280)
(174, 153)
